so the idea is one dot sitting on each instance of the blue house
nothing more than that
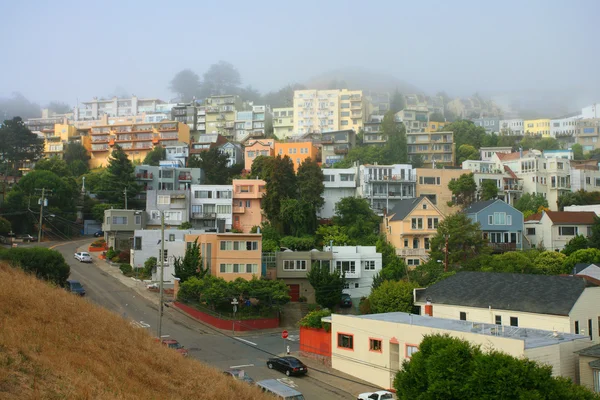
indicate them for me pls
(501, 224)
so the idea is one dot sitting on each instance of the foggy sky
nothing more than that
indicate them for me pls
(69, 50)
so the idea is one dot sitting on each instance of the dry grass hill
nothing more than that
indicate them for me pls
(55, 345)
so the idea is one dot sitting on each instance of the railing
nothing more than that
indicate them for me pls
(412, 252)
(340, 150)
(145, 176)
(204, 215)
(239, 210)
(185, 177)
(502, 247)
(513, 187)
(388, 178)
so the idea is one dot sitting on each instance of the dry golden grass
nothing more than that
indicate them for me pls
(54, 345)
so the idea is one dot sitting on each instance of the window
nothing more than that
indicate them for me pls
(405, 242)
(301, 265)
(514, 321)
(590, 329)
(164, 199)
(567, 230)
(250, 245)
(424, 206)
(412, 262)
(530, 231)
(369, 265)
(346, 286)
(138, 220)
(577, 327)
(417, 223)
(346, 266)
(226, 245)
(288, 265)
(345, 341)
(119, 220)
(223, 209)
(498, 320)
(410, 349)
(248, 203)
(509, 220)
(171, 237)
(463, 316)
(375, 345)
(223, 194)
(415, 243)
(432, 223)
(203, 194)
(356, 286)
(499, 218)
(137, 243)
(251, 268)
(328, 178)
(426, 243)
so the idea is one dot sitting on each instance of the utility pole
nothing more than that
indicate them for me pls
(42, 203)
(125, 192)
(162, 270)
(446, 255)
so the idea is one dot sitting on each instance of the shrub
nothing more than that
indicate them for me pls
(111, 253)
(304, 243)
(313, 318)
(115, 259)
(124, 256)
(126, 269)
(313, 307)
(364, 306)
(99, 243)
(46, 264)
(149, 266)
(302, 299)
(185, 225)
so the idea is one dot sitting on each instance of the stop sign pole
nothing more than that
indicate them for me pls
(286, 349)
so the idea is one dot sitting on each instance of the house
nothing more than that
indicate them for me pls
(170, 175)
(247, 197)
(501, 224)
(175, 204)
(373, 347)
(565, 304)
(229, 255)
(359, 263)
(490, 124)
(486, 153)
(594, 208)
(508, 184)
(586, 269)
(211, 207)
(552, 230)
(119, 225)
(206, 142)
(385, 185)
(235, 153)
(297, 151)
(256, 148)
(336, 144)
(589, 367)
(410, 226)
(433, 184)
(339, 183)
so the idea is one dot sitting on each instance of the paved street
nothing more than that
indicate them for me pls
(205, 343)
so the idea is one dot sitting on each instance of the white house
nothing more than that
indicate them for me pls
(360, 263)
(593, 208)
(339, 183)
(211, 207)
(552, 230)
(486, 153)
(385, 185)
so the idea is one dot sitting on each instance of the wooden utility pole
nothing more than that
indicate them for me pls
(446, 255)
(42, 203)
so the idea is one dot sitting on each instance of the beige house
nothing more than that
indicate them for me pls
(410, 227)
(552, 230)
(562, 304)
(373, 347)
(589, 368)
(119, 225)
(433, 184)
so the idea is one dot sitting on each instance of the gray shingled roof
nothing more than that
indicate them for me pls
(595, 364)
(541, 294)
(478, 206)
(404, 207)
(580, 267)
(592, 351)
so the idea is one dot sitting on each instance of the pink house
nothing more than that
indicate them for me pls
(247, 194)
(255, 148)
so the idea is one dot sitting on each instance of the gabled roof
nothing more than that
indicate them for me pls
(592, 351)
(581, 266)
(405, 207)
(534, 217)
(510, 172)
(478, 206)
(540, 294)
(571, 217)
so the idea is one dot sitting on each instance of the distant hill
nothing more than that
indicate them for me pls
(361, 78)
(55, 345)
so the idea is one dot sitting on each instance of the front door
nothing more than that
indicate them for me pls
(294, 292)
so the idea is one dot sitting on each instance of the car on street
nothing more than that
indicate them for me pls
(380, 395)
(99, 234)
(76, 287)
(27, 238)
(83, 257)
(288, 365)
(239, 374)
(175, 345)
(346, 300)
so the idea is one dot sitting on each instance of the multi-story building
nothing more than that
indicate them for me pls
(512, 127)
(510, 187)
(257, 148)
(230, 255)
(434, 148)
(328, 110)
(207, 142)
(297, 151)
(200, 121)
(247, 197)
(486, 153)
(501, 224)
(221, 113)
(167, 176)
(212, 207)
(252, 123)
(235, 153)
(585, 176)
(174, 204)
(353, 110)
(335, 146)
(591, 112)
(537, 127)
(137, 140)
(410, 226)
(434, 126)
(45, 124)
(490, 124)
(565, 126)
(385, 185)
(186, 113)
(415, 119)
(377, 103)
(56, 140)
(115, 107)
(283, 122)
(119, 225)
(433, 184)
(339, 183)
(178, 152)
(588, 134)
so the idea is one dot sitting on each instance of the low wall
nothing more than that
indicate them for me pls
(237, 325)
(315, 341)
(96, 249)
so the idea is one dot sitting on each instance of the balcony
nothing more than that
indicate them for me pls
(514, 187)
(388, 178)
(185, 177)
(168, 136)
(144, 176)
(391, 194)
(356, 106)
(340, 150)
(98, 148)
(422, 253)
(200, 215)
(356, 115)
(355, 97)
(239, 210)
(502, 247)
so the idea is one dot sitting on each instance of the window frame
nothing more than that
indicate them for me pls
(373, 347)
(351, 338)
(413, 349)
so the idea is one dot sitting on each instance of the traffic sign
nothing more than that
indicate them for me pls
(284, 334)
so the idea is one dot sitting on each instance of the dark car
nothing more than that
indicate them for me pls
(287, 365)
(346, 301)
(99, 234)
(239, 374)
(175, 345)
(76, 287)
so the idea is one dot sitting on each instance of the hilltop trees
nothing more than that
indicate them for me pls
(17, 146)
(280, 186)
(186, 84)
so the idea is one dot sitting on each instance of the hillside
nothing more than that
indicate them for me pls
(55, 345)
(361, 78)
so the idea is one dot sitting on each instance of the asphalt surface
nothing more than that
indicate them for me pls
(219, 349)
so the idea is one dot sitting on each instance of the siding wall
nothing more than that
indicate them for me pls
(586, 308)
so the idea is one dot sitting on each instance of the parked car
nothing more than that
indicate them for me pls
(287, 365)
(346, 300)
(83, 257)
(380, 395)
(175, 345)
(76, 287)
(239, 374)
(27, 238)
(99, 234)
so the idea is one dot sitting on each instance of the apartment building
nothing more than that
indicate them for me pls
(256, 148)
(177, 152)
(186, 113)
(385, 185)
(377, 103)
(512, 127)
(433, 184)
(565, 126)
(137, 140)
(297, 151)
(57, 139)
(211, 207)
(434, 148)
(118, 227)
(46, 123)
(537, 127)
(335, 146)
(167, 176)
(206, 142)
(252, 123)
(200, 121)
(283, 122)
(221, 113)
(434, 126)
(585, 176)
(114, 107)
(174, 204)
(339, 183)
(490, 124)
(588, 133)
(230, 255)
(486, 153)
(372, 131)
(353, 109)
(510, 187)
(591, 111)
(247, 197)
(415, 119)
(410, 226)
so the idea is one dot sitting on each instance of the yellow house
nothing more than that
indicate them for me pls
(297, 151)
(537, 127)
(410, 227)
(433, 126)
(433, 183)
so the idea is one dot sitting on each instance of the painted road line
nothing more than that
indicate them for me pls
(241, 366)
(246, 341)
(72, 241)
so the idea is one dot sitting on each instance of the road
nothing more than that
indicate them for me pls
(204, 343)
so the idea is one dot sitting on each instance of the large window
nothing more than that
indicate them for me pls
(345, 341)
(530, 231)
(223, 194)
(432, 223)
(164, 199)
(203, 194)
(567, 230)
(346, 266)
(514, 321)
(294, 265)
(369, 265)
(417, 223)
(119, 220)
(223, 209)
(375, 345)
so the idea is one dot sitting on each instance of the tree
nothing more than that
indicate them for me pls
(577, 151)
(5, 226)
(283, 97)
(357, 219)
(98, 210)
(220, 79)
(550, 263)
(328, 284)
(445, 367)
(512, 262)
(416, 160)
(489, 190)
(17, 146)
(437, 117)
(463, 190)
(332, 234)
(118, 183)
(393, 267)
(465, 132)
(397, 102)
(465, 240)
(467, 152)
(186, 84)
(579, 242)
(396, 149)
(53, 164)
(191, 264)
(531, 202)
(594, 239)
(280, 186)
(185, 225)
(214, 164)
(250, 94)
(261, 167)
(309, 179)
(18, 106)
(363, 155)
(392, 296)
(579, 198)
(77, 158)
(155, 156)
(59, 107)
(587, 256)
(490, 140)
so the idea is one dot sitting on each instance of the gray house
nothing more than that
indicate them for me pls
(235, 152)
(490, 124)
(501, 224)
(336, 145)
(119, 225)
(168, 176)
(174, 203)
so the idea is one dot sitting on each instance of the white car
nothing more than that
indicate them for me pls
(83, 257)
(380, 395)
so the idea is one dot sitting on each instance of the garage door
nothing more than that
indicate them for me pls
(294, 292)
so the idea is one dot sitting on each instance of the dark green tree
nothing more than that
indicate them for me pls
(465, 132)
(220, 79)
(437, 117)
(417, 161)
(396, 149)
(397, 102)
(53, 164)
(363, 155)
(488, 190)
(467, 152)
(280, 186)
(594, 239)
(5, 226)
(186, 84)
(328, 284)
(577, 151)
(118, 183)
(18, 145)
(77, 158)
(393, 267)
(490, 140)
(463, 190)
(588, 256)
(155, 156)
(357, 220)
(579, 242)
(191, 264)
(261, 167)
(309, 179)
(531, 203)
(392, 296)
(214, 164)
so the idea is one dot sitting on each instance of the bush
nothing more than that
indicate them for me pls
(124, 257)
(126, 269)
(98, 243)
(304, 243)
(115, 259)
(364, 306)
(46, 264)
(185, 225)
(313, 319)
(302, 299)
(111, 253)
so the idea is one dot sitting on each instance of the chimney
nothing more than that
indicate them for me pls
(429, 308)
